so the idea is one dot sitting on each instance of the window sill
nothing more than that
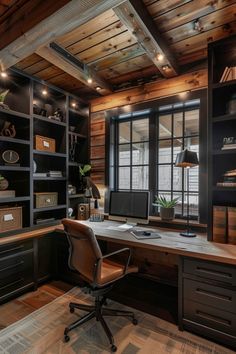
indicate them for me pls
(177, 222)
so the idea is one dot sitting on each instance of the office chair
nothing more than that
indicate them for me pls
(99, 273)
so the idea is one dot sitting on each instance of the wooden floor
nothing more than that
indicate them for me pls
(22, 306)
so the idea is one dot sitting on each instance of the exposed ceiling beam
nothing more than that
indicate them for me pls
(64, 20)
(71, 65)
(134, 14)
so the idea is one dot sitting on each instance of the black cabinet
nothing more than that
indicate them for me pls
(208, 299)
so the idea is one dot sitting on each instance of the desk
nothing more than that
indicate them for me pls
(207, 278)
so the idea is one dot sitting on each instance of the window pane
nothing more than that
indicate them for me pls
(164, 151)
(164, 177)
(177, 179)
(178, 207)
(140, 177)
(124, 154)
(124, 177)
(165, 126)
(140, 153)
(191, 122)
(193, 204)
(140, 130)
(193, 145)
(177, 147)
(124, 132)
(178, 124)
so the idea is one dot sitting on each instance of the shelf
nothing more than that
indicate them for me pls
(45, 119)
(75, 164)
(224, 152)
(221, 188)
(15, 199)
(14, 140)
(224, 118)
(57, 207)
(74, 196)
(14, 168)
(47, 153)
(78, 135)
(49, 178)
(14, 113)
(79, 113)
(224, 84)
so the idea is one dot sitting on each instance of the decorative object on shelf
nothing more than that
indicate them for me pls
(57, 115)
(39, 111)
(70, 212)
(229, 179)
(46, 199)
(229, 74)
(83, 211)
(229, 143)
(43, 143)
(71, 189)
(3, 183)
(34, 166)
(72, 128)
(187, 159)
(231, 105)
(3, 95)
(10, 219)
(83, 172)
(10, 157)
(8, 130)
(167, 207)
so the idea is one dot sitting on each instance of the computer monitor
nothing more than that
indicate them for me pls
(132, 207)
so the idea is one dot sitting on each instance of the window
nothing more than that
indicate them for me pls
(145, 145)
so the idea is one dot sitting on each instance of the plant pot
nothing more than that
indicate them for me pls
(167, 213)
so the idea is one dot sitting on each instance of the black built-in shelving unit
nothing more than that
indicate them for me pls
(29, 112)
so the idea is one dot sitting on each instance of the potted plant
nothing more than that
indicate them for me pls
(2, 99)
(167, 207)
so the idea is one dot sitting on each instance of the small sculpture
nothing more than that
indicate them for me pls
(57, 115)
(70, 212)
(8, 130)
(3, 183)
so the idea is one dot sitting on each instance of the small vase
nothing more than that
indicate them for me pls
(167, 213)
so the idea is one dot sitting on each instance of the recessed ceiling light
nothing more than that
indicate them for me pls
(73, 104)
(160, 56)
(165, 67)
(89, 80)
(98, 88)
(45, 92)
(3, 74)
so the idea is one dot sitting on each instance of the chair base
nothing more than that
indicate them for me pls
(97, 311)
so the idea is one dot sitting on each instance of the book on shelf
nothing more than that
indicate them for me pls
(40, 174)
(7, 194)
(228, 147)
(232, 225)
(220, 224)
(55, 174)
(229, 74)
(226, 184)
(230, 173)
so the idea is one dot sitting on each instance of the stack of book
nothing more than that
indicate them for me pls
(55, 174)
(228, 74)
(40, 174)
(229, 143)
(229, 179)
(224, 224)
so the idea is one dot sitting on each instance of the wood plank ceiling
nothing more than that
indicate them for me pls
(106, 46)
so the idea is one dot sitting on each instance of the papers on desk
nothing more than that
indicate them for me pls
(145, 234)
(116, 228)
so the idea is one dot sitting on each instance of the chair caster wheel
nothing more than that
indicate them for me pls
(66, 338)
(113, 348)
(72, 310)
(135, 321)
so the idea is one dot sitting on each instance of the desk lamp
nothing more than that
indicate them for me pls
(187, 159)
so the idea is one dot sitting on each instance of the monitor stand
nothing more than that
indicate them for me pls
(127, 226)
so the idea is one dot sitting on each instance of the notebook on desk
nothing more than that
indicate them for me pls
(145, 234)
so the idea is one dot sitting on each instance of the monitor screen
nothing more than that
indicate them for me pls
(129, 206)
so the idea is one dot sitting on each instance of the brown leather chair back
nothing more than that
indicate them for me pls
(84, 248)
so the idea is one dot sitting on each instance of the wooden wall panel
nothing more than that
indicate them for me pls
(151, 91)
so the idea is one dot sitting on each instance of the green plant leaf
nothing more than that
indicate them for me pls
(3, 95)
(163, 202)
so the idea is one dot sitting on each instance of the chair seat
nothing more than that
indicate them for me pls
(111, 271)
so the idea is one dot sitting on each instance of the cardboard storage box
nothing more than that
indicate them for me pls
(43, 143)
(10, 219)
(46, 199)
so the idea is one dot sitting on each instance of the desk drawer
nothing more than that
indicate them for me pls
(209, 270)
(16, 272)
(210, 317)
(14, 248)
(218, 297)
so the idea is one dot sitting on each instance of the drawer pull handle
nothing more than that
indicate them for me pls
(214, 272)
(217, 319)
(12, 266)
(211, 293)
(12, 249)
(12, 283)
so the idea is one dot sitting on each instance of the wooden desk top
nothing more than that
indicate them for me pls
(170, 242)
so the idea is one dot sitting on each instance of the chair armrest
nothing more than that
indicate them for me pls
(128, 250)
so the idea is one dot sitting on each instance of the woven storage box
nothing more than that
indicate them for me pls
(47, 199)
(10, 218)
(43, 143)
